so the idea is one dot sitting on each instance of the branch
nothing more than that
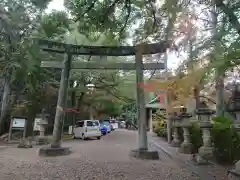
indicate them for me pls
(87, 11)
(105, 85)
(107, 88)
(209, 99)
(89, 8)
(153, 14)
(128, 6)
(106, 14)
(232, 17)
(121, 98)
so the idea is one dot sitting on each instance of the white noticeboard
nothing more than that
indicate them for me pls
(36, 126)
(70, 129)
(18, 122)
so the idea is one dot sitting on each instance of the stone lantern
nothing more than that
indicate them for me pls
(176, 125)
(206, 151)
(41, 123)
(44, 122)
(186, 147)
(234, 107)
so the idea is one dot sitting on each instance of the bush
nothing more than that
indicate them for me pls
(196, 137)
(226, 141)
(160, 131)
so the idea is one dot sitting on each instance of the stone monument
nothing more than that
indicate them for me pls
(186, 147)
(206, 151)
(176, 125)
(40, 124)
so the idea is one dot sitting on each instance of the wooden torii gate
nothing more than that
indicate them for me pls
(69, 50)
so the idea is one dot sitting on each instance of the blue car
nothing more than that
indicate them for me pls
(106, 124)
(103, 129)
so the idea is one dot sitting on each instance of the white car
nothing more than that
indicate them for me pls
(114, 124)
(123, 124)
(87, 129)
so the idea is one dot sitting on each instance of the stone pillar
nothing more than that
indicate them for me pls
(55, 148)
(186, 147)
(141, 110)
(150, 121)
(61, 104)
(206, 151)
(142, 152)
(169, 130)
(176, 138)
(42, 130)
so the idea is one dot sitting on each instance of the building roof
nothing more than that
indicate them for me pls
(155, 104)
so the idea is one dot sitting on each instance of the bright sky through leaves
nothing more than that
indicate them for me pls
(173, 60)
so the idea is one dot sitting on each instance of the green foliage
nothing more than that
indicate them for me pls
(196, 136)
(222, 122)
(107, 105)
(226, 140)
(160, 131)
(55, 24)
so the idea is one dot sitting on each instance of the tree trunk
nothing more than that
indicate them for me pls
(61, 104)
(219, 94)
(219, 77)
(91, 113)
(197, 96)
(5, 101)
(30, 121)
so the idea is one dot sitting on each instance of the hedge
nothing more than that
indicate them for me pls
(226, 141)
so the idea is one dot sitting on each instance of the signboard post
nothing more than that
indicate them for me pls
(17, 123)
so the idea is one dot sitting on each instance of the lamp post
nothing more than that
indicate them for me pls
(206, 151)
(91, 89)
(234, 107)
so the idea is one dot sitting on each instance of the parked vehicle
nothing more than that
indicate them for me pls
(111, 126)
(106, 123)
(114, 124)
(123, 124)
(103, 129)
(87, 129)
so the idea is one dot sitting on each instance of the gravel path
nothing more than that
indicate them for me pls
(105, 159)
(209, 172)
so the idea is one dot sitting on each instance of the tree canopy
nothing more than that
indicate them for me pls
(208, 31)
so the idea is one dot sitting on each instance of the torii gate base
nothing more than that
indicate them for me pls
(142, 152)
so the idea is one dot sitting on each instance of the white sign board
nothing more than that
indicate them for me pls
(18, 122)
(36, 126)
(70, 129)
